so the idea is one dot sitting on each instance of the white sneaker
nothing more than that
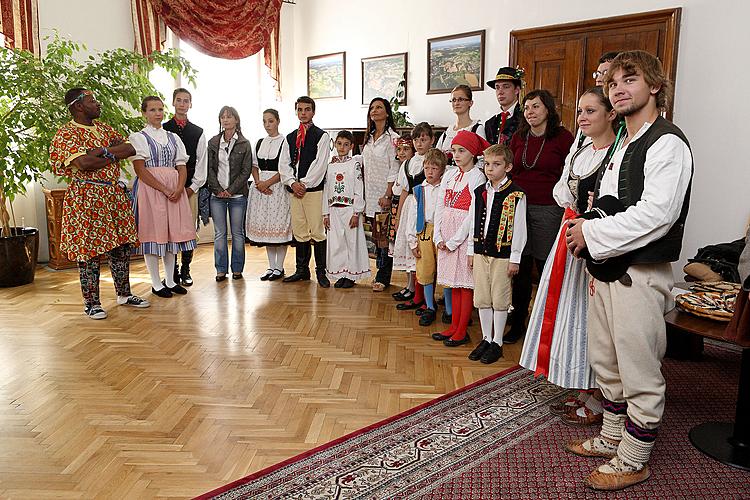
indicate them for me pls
(133, 301)
(95, 312)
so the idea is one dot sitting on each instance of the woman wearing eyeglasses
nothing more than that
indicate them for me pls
(461, 102)
(230, 160)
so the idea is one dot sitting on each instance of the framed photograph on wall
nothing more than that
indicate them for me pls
(326, 76)
(455, 60)
(385, 76)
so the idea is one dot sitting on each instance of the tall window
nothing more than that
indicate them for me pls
(244, 84)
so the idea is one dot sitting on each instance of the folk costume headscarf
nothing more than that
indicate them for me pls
(473, 143)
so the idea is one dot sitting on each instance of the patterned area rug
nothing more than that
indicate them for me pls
(496, 439)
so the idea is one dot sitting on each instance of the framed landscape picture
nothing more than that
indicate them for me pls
(326, 76)
(382, 75)
(455, 60)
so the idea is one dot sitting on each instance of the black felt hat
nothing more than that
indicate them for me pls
(515, 75)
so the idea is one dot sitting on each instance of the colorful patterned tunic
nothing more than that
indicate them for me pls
(97, 214)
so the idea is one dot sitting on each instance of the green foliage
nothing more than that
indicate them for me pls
(401, 118)
(32, 92)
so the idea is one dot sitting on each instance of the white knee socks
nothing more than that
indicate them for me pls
(499, 317)
(410, 281)
(152, 265)
(280, 256)
(485, 319)
(271, 252)
(168, 264)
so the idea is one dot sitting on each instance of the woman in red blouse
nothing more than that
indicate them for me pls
(539, 149)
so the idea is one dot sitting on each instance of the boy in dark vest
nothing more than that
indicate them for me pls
(302, 165)
(507, 86)
(650, 173)
(498, 226)
(196, 146)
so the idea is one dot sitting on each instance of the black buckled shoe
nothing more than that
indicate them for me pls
(409, 305)
(446, 318)
(479, 350)
(177, 289)
(427, 317)
(456, 343)
(267, 275)
(440, 337)
(492, 354)
(277, 275)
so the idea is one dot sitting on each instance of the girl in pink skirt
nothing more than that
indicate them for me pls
(451, 232)
(162, 211)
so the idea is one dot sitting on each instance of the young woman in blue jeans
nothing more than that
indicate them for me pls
(230, 161)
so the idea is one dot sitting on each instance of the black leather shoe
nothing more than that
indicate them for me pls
(492, 354)
(420, 310)
(277, 275)
(446, 318)
(220, 277)
(339, 283)
(348, 283)
(164, 292)
(439, 336)
(403, 295)
(297, 276)
(513, 336)
(409, 305)
(323, 280)
(479, 350)
(236, 276)
(177, 289)
(456, 343)
(427, 317)
(267, 275)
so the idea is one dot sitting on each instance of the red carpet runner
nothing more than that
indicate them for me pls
(496, 439)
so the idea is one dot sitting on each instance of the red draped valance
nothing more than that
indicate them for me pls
(229, 29)
(19, 23)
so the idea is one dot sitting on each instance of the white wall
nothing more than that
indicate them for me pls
(100, 25)
(710, 86)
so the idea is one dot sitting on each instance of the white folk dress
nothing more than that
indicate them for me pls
(343, 197)
(268, 219)
(560, 352)
(452, 223)
(403, 259)
(380, 168)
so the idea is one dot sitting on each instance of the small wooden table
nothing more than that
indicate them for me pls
(727, 442)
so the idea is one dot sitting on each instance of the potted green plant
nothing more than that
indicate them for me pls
(32, 109)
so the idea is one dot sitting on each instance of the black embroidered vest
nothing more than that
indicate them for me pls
(630, 188)
(307, 155)
(511, 192)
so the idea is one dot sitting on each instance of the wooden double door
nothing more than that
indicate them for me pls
(562, 58)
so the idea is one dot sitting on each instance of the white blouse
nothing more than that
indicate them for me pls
(444, 144)
(416, 165)
(269, 148)
(143, 152)
(455, 180)
(585, 164)
(380, 168)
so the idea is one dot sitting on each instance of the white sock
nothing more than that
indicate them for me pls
(485, 319)
(169, 264)
(410, 281)
(499, 317)
(280, 256)
(271, 252)
(152, 265)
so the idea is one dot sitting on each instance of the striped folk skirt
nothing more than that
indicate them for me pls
(555, 345)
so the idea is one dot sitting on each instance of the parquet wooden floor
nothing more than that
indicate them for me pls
(200, 390)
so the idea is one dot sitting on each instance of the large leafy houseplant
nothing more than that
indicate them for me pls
(32, 108)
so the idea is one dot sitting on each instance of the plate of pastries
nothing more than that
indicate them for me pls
(710, 299)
